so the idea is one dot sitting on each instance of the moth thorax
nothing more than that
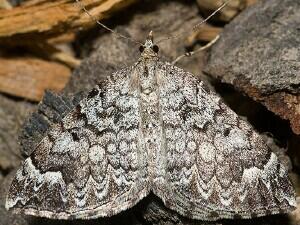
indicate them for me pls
(148, 81)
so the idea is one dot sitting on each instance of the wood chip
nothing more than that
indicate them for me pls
(29, 77)
(53, 53)
(43, 19)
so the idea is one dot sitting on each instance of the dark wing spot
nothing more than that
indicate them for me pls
(78, 114)
(75, 136)
(93, 93)
(117, 117)
(226, 132)
(214, 215)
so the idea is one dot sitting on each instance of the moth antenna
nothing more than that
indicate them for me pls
(81, 5)
(196, 26)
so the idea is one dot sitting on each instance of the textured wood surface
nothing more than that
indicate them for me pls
(28, 77)
(41, 19)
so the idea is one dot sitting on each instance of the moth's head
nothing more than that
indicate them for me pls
(149, 49)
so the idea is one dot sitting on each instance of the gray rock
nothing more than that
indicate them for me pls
(259, 54)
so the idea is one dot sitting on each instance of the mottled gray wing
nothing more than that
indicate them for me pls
(91, 164)
(214, 164)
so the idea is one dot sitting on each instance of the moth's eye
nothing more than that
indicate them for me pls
(155, 48)
(141, 48)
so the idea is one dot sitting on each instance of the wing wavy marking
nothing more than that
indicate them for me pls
(91, 164)
(216, 165)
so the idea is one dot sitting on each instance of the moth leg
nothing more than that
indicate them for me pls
(189, 54)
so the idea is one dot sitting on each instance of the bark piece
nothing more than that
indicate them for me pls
(29, 77)
(53, 53)
(259, 54)
(42, 19)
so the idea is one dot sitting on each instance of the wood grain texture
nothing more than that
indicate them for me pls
(51, 18)
(29, 77)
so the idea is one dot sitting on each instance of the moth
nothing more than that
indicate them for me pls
(151, 127)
